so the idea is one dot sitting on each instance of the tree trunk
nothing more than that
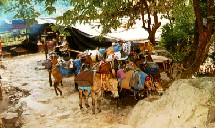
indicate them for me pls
(150, 28)
(201, 41)
(152, 37)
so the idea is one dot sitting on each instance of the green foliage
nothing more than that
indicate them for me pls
(2, 2)
(177, 37)
(108, 13)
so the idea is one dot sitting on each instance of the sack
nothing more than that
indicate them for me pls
(47, 63)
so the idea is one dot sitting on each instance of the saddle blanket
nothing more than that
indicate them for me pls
(65, 71)
(84, 88)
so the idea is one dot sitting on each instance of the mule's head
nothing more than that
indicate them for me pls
(158, 88)
(86, 59)
(54, 60)
(95, 67)
(113, 87)
(147, 83)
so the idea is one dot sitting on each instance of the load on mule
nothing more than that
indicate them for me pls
(133, 81)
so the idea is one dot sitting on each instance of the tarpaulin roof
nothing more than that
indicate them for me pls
(81, 41)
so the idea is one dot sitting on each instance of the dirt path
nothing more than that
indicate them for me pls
(43, 109)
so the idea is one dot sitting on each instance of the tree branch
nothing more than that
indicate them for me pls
(198, 16)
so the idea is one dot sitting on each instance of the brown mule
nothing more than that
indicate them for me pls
(94, 85)
(55, 71)
(53, 67)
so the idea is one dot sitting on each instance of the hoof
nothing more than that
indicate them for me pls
(81, 108)
(160, 94)
(87, 106)
(94, 112)
(99, 111)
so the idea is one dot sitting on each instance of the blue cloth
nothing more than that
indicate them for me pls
(135, 43)
(85, 88)
(78, 65)
(149, 70)
(120, 79)
(116, 48)
(65, 71)
(142, 79)
(102, 51)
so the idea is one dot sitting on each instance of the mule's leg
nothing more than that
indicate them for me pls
(50, 78)
(80, 99)
(76, 86)
(86, 98)
(99, 101)
(122, 95)
(93, 95)
(55, 88)
(61, 83)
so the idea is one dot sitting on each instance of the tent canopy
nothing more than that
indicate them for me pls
(81, 41)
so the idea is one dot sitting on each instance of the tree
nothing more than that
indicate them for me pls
(205, 23)
(109, 13)
(198, 47)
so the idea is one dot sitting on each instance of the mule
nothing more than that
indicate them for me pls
(90, 82)
(58, 72)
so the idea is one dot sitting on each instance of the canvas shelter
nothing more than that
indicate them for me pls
(82, 41)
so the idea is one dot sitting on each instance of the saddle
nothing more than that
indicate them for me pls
(84, 78)
(104, 68)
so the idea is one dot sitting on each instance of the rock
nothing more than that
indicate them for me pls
(9, 119)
